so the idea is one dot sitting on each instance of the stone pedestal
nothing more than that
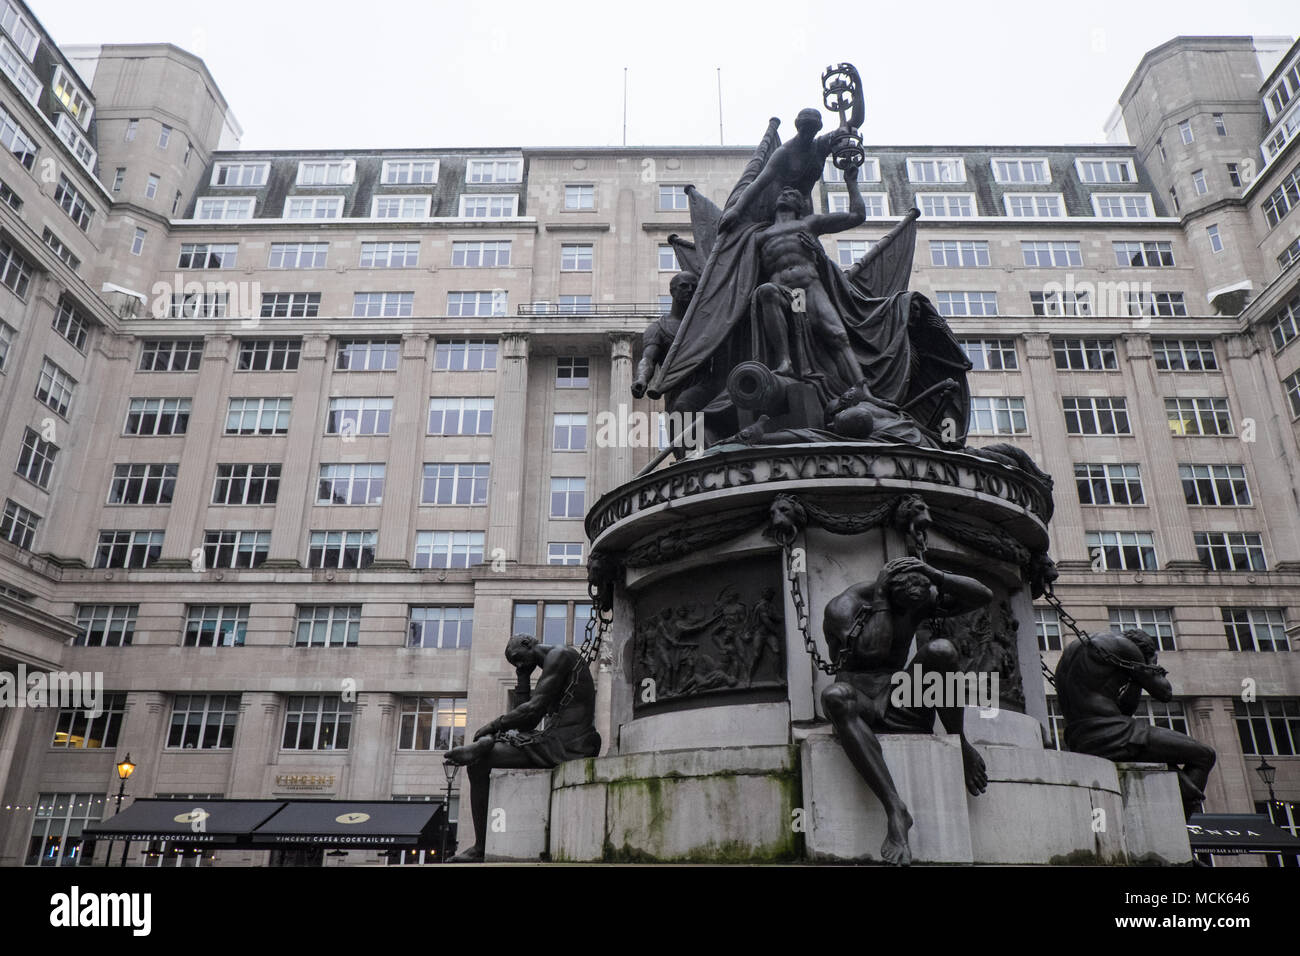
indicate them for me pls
(521, 803)
(1153, 834)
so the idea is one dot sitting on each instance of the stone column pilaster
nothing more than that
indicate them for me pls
(505, 489)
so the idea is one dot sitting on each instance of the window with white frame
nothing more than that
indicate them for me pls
(1152, 255)
(460, 416)
(258, 416)
(1102, 483)
(399, 172)
(1156, 303)
(1091, 415)
(327, 625)
(70, 133)
(1060, 302)
(367, 355)
(990, 355)
(6, 341)
(576, 257)
(351, 484)
(1021, 170)
(20, 29)
(445, 627)
(455, 483)
(489, 207)
(128, 549)
(849, 251)
(1053, 254)
(946, 204)
(1034, 205)
(477, 303)
(36, 458)
(359, 416)
(164, 136)
(268, 355)
(1282, 199)
(1122, 550)
(1122, 205)
(142, 484)
(105, 625)
(54, 388)
(1105, 170)
(252, 175)
(61, 249)
(936, 170)
(15, 139)
(1084, 355)
(207, 255)
(341, 549)
(1286, 324)
(673, 197)
(151, 186)
(875, 204)
(70, 323)
(1291, 385)
(570, 432)
(203, 721)
(1184, 355)
(667, 258)
(246, 484)
(568, 497)
(564, 552)
(372, 305)
(432, 723)
(400, 207)
(1215, 485)
(959, 253)
(1158, 622)
(1255, 628)
(998, 415)
(132, 127)
(18, 525)
(868, 172)
(1216, 241)
(290, 305)
(448, 549)
(59, 820)
(1198, 416)
(1185, 131)
(1199, 185)
(199, 305)
(313, 207)
(465, 355)
(390, 255)
(1047, 628)
(966, 303)
(72, 202)
(316, 722)
(77, 729)
(572, 372)
(481, 254)
(224, 207)
(157, 416)
(11, 61)
(1268, 726)
(215, 625)
(573, 304)
(578, 196)
(15, 272)
(1230, 550)
(321, 173)
(137, 242)
(495, 170)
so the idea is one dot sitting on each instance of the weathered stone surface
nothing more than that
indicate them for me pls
(1154, 830)
(524, 796)
(1003, 727)
(764, 724)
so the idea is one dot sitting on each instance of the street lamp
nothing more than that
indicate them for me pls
(1268, 773)
(450, 769)
(124, 770)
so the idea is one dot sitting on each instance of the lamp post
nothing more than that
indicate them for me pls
(124, 771)
(1268, 773)
(450, 769)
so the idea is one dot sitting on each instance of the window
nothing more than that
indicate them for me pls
(20, 30)
(128, 549)
(1198, 416)
(105, 625)
(432, 723)
(36, 458)
(290, 305)
(6, 340)
(14, 138)
(1106, 484)
(987, 355)
(1105, 170)
(460, 416)
(1047, 627)
(58, 824)
(338, 173)
(132, 127)
(1286, 325)
(465, 355)
(572, 372)
(350, 484)
(298, 255)
(1122, 205)
(189, 151)
(1234, 175)
(954, 253)
(476, 303)
(570, 432)
(316, 722)
(946, 204)
(207, 255)
(966, 303)
(448, 549)
(233, 207)
(401, 207)
(1060, 303)
(562, 622)
(70, 323)
(151, 186)
(673, 197)
(327, 625)
(1219, 126)
(489, 207)
(235, 549)
(1185, 131)
(868, 172)
(1282, 199)
(135, 484)
(341, 549)
(399, 172)
(15, 273)
(1156, 621)
(373, 305)
(455, 484)
(1268, 726)
(367, 355)
(1199, 186)
(877, 204)
(164, 136)
(1289, 255)
(18, 526)
(9, 197)
(390, 255)
(1034, 205)
(215, 625)
(564, 552)
(1157, 303)
(1021, 171)
(667, 257)
(1084, 354)
(268, 355)
(573, 305)
(258, 416)
(848, 251)
(74, 729)
(359, 416)
(137, 243)
(1149, 254)
(313, 207)
(54, 388)
(61, 249)
(1046, 255)
(1122, 550)
(998, 416)
(567, 497)
(1096, 416)
(580, 197)
(240, 174)
(157, 416)
(203, 721)
(1255, 628)
(246, 485)
(1292, 385)
(442, 627)
(72, 202)
(1216, 241)
(494, 171)
(577, 257)
(947, 170)
(1219, 485)
(478, 255)
(1230, 551)
(1184, 355)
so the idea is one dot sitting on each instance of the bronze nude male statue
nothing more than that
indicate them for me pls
(511, 740)
(873, 624)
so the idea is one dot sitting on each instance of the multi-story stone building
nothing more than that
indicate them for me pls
(298, 438)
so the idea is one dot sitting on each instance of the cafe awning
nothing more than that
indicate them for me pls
(1233, 833)
(351, 823)
(218, 822)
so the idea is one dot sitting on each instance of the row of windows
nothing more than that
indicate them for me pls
(1106, 415)
(1126, 303)
(1015, 205)
(1070, 354)
(1121, 484)
(418, 170)
(1245, 628)
(1136, 550)
(485, 206)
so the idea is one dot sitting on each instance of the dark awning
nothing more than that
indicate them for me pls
(351, 823)
(1233, 833)
(187, 821)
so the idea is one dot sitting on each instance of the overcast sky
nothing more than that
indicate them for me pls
(503, 72)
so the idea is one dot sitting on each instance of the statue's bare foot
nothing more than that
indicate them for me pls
(459, 755)
(895, 849)
(977, 775)
(472, 855)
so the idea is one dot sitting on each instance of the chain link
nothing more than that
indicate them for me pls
(598, 623)
(801, 617)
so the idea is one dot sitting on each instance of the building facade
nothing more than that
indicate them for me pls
(299, 438)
